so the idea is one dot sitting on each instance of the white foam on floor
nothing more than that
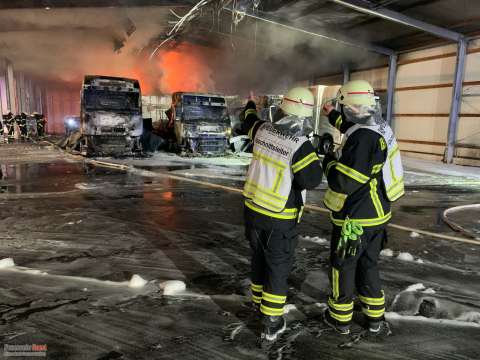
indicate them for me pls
(471, 317)
(396, 316)
(405, 256)
(173, 287)
(289, 307)
(137, 282)
(414, 234)
(415, 287)
(314, 239)
(386, 252)
(6, 263)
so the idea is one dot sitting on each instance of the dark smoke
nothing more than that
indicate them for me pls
(63, 45)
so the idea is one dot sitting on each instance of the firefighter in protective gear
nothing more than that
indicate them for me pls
(364, 177)
(283, 167)
(1, 128)
(9, 125)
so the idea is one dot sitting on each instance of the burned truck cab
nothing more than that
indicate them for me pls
(111, 115)
(201, 123)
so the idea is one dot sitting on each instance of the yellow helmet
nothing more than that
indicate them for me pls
(355, 93)
(299, 101)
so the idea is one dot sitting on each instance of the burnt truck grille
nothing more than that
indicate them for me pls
(113, 130)
(212, 145)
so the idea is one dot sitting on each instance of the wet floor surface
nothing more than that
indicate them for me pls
(78, 234)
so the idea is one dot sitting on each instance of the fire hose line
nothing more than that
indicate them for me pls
(232, 189)
(456, 226)
(237, 190)
(35, 195)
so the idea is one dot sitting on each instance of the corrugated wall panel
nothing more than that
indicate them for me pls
(428, 101)
(423, 100)
(430, 72)
(377, 77)
(431, 129)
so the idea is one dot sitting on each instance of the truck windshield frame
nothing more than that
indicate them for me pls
(109, 100)
(204, 109)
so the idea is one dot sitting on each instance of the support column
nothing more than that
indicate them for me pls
(392, 79)
(346, 74)
(456, 100)
(11, 89)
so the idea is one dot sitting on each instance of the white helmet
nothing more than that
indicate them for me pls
(356, 92)
(359, 102)
(299, 101)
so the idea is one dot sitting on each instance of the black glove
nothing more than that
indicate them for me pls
(325, 144)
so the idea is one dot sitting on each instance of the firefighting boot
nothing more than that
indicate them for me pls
(273, 327)
(339, 327)
(374, 326)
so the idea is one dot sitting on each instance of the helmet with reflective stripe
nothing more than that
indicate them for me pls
(356, 92)
(298, 101)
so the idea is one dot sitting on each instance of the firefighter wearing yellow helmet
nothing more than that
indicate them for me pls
(283, 167)
(364, 177)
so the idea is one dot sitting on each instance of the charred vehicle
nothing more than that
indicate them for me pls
(111, 115)
(201, 123)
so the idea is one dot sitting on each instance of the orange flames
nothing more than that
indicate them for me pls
(186, 67)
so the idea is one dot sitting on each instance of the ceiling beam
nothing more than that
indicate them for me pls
(53, 4)
(264, 17)
(399, 18)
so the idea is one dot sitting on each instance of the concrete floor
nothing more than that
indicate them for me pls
(78, 234)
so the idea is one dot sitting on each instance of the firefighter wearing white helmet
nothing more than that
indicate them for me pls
(298, 102)
(364, 177)
(284, 165)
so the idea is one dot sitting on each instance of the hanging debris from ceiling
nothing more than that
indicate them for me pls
(237, 7)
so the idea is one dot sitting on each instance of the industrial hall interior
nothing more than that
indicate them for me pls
(240, 179)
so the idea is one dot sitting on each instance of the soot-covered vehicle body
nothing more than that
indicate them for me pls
(201, 123)
(111, 115)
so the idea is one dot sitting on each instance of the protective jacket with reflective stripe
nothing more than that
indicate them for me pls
(392, 170)
(355, 176)
(282, 168)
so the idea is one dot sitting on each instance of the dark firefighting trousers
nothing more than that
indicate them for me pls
(273, 253)
(359, 272)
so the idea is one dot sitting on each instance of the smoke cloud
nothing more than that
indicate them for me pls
(63, 45)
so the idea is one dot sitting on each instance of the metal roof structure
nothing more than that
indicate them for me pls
(305, 38)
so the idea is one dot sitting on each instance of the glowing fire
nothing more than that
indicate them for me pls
(183, 68)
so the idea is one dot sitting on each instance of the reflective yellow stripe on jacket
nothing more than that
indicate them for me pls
(352, 173)
(375, 199)
(303, 163)
(329, 165)
(364, 222)
(250, 132)
(338, 122)
(286, 214)
(396, 189)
